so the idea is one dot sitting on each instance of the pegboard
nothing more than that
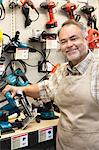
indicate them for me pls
(14, 21)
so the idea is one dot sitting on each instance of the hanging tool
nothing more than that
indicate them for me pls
(2, 10)
(87, 10)
(93, 38)
(25, 10)
(44, 65)
(69, 8)
(46, 35)
(16, 78)
(13, 4)
(1, 41)
(29, 3)
(52, 23)
(14, 43)
(40, 36)
(21, 3)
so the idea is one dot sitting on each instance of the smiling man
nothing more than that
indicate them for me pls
(74, 87)
(73, 41)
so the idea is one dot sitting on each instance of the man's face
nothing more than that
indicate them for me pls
(73, 44)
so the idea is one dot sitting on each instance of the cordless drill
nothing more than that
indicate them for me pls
(50, 5)
(87, 10)
(93, 38)
(69, 8)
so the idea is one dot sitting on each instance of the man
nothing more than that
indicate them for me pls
(73, 88)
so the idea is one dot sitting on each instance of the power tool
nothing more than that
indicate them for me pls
(17, 105)
(16, 78)
(46, 35)
(46, 111)
(2, 10)
(25, 10)
(40, 36)
(69, 8)
(5, 126)
(21, 3)
(49, 6)
(1, 41)
(29, 3)
(87, 10)
(14, 43)
(93, 38)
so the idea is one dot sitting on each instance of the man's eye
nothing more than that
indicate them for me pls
(63, 42)
(73, 39)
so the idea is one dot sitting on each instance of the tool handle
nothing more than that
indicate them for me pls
(10, 99)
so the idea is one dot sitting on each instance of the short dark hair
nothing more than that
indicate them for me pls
(73, 22)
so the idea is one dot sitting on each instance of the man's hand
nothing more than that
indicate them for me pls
(12, 89)
(30, 90)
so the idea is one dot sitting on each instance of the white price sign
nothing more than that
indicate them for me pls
(19, 141)
(22, 53)
(51, 44)
(45, 134)
(2, 68)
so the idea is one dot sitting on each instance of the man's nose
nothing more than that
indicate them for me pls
(69, 43)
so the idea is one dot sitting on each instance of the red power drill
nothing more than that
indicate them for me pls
(93, 38)
(69, 8)
(50, 5)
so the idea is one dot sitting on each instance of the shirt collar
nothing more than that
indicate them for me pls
(82, 66)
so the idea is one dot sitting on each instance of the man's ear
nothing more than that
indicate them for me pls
(86, 38)
(86, 41)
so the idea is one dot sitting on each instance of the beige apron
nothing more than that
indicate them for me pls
(78, 127)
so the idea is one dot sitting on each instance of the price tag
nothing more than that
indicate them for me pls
(2, 68)
(19, 141)
(45, 134)
(51, 44)
(22, 53)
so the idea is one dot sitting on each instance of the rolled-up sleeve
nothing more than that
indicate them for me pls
(48, 88)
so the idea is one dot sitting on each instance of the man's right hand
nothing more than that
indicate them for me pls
(12, 89)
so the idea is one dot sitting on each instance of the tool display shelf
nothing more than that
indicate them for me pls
(35, 136)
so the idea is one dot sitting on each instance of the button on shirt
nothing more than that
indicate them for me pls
(49, 87)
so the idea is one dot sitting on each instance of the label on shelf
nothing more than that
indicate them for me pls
(45, 134)
(19, 141)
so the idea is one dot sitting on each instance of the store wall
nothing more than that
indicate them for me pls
(15, 22)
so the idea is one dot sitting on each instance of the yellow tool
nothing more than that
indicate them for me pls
(1, 41)
(1, 35)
